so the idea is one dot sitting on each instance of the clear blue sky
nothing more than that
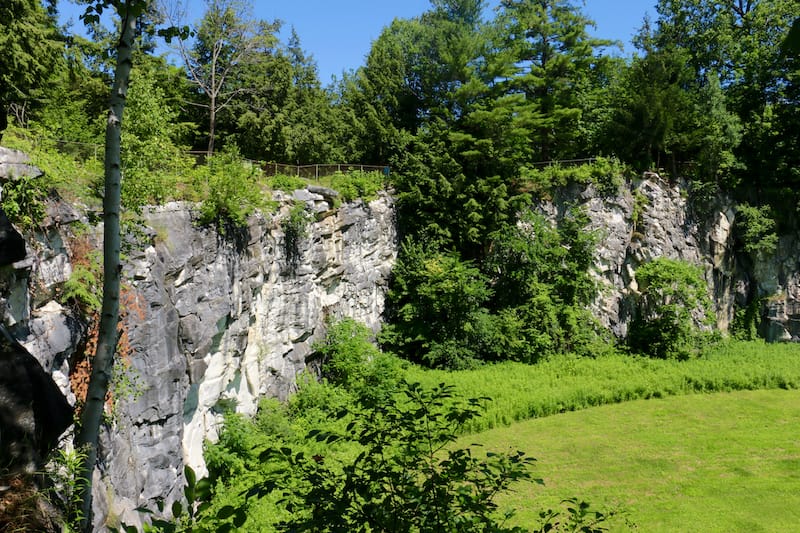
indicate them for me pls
(338, 33)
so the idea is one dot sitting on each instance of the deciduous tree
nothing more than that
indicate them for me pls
(227, 41)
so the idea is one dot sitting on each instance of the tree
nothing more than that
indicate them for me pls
(86, 438)
(551, 57)
(30, 51)
(227, 41)
(286, 116)
(653, 112)
(435, 304)
(408, 475)
(741, 43)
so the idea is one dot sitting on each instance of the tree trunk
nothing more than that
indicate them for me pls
(212, 125)
(103, 361)
(3, 119)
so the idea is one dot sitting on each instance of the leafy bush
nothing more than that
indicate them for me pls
(435, 302)
(407, 476)
(153, 164)
(283, 182)
(349, 359)
(83, 288)
(23, 200)
(756, 230)
(232, 190)
(295, 229)
(76, 178)
(607, 174)
(673, 304)
(357, 184)
(542, 285)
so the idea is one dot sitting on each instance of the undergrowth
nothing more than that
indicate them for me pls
(569, 383)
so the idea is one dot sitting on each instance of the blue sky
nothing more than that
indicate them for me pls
(338, 34)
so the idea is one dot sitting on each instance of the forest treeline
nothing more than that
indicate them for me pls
(464, 103)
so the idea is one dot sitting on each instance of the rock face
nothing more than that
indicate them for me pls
(653, 217)
(650, 218)
(214, 322)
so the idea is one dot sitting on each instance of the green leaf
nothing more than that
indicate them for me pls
(226, 512)
(240, 518)
(191, 477)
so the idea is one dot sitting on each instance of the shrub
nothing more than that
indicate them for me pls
(542, 284)
(407, 477)
(75, 179)
(295, 229)
(153, 165)
(756, 230)
(232, 190)
(283, 182)
(436, 301)
(23, 200)
(673, 304)
(606, 174)
(357, 184)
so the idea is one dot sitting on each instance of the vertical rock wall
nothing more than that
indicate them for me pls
(647, 219)
(215, 323)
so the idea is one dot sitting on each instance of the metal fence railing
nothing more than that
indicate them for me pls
(565, 162)
(317, 171)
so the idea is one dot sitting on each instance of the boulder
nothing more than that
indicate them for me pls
(33, 412)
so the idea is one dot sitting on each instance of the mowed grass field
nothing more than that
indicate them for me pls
(717, 462)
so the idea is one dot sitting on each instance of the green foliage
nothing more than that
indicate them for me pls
(653, 112)
(607, 174)
(153, 164)
(282, 182)
(747, 320)
(407, 476)
(75, 178)
(192, 515)
(83, 287)
(741, 46)
(279, 433)
(673, 304)
(640, 203)
(358, 184)
(31, 51)
(436, 300)
(527, 300)
(285, 115)
(23, 200)
(63, 472)
(232, 190)
(542, 279)
(566, 382)
(350, 360)
(756, 229)
(295, 229)
(547, 53)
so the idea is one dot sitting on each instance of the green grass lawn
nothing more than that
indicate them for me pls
(722, 462)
